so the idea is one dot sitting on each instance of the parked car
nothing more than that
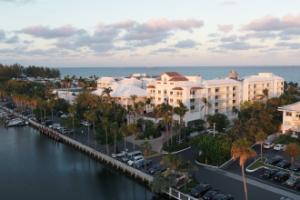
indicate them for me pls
(281, 176)
(292, 181)
(295, 168)
(132, 154)
(85, 123)
(283, 164)
(55, 126)
(279, 147)
(274, 160)
(119, 155)
(269, 173)
(210, 194)
(222, 197)
(135, 160)
(297, 186)
(156, 168)
(200, 190)
(268, 145)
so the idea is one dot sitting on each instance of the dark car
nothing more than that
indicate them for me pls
(281, 176)
(222, 197)
(275, 160)
(283, 164)
(292, 181)
(209, 194)
(295, 168)
(297, 186)
(200, 190)
(156, 168)
(269, 173)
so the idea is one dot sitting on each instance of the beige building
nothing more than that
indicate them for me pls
(208, 97)
(290, 118)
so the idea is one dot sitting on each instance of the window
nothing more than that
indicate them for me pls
(171, 93)
(233, 95)
(234, 88)
(165, 92)
(159, 91)
(192, 100)
(217, 90)
(159, 99)
(216, 97)
(216, 110)
(233, 101)
(289, 114)
(171, 100)
(192, 107)
(298, 115)
(254, 85)
(216, 104)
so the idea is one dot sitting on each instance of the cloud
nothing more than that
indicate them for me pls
(186, 44)
(158, 30)
(238, 45)
(164, 50)
(228, 3)
(2, 35)
(17, 1)
(289, 45)
(231, 38)
(270, 23)
(48, 33)
(225, 28)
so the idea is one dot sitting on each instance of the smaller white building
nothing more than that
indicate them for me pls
(290, 118)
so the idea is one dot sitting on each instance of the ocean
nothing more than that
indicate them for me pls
(288, 73)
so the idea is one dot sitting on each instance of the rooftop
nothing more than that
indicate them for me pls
(291, 107)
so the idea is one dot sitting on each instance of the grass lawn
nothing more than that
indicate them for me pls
(258, 163)
(286, 139)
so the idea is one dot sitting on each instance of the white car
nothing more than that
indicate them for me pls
(279, 147)
(135, 160)
(268, 145)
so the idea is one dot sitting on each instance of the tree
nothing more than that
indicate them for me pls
(166, 112)
(293, 150)
(106, 92)
(72, 111)
(241, 150)
(206, 105)
(260, 137)
(220, 120)
(146, 147)
(180, 110)
(106, 126)
(172, 162)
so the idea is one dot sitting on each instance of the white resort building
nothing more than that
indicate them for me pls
(123, 89)
(203, 97)
(290, 118)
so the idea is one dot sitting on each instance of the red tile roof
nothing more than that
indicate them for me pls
(177, 88)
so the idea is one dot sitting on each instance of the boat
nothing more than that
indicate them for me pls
(15, 122)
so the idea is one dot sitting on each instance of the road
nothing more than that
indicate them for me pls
(231, 183)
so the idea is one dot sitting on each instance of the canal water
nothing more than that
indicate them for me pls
(35, 167)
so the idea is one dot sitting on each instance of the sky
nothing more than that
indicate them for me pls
(125, 33)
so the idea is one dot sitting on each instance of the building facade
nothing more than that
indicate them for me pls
(208, 97)
(290, 118)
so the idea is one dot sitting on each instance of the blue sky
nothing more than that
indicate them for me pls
(66, 33)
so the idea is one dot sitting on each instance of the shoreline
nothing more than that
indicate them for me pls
(106, 160)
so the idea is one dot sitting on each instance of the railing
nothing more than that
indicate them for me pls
(179, 195)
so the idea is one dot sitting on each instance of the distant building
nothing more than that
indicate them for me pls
(290, 118)
(208, 97)
(254, 86)
(123, 89)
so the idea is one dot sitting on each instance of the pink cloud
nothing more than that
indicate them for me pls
(225, 28)
(270, 23)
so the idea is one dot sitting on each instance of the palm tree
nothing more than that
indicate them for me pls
(293, 150)
(146, 147)
(115, 131)
(91, 117)
(171, 161)
(206, 105)
(106, 126)
(241, 149)
(260, 137)
(180, 110)
(72, 112)
(166, 112)
(106, 92)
